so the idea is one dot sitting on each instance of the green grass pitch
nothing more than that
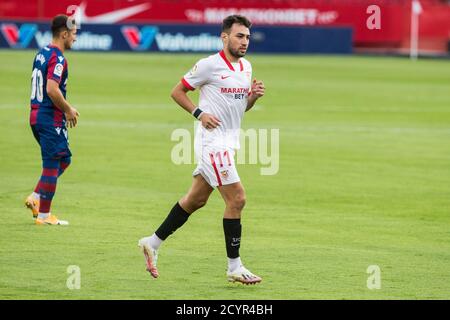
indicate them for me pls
(364, 179)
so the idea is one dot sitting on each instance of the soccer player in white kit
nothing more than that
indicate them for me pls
(226, 93)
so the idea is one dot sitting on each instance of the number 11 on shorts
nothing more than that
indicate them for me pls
(218, 156)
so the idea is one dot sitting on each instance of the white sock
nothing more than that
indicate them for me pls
(35, 196)
(155, 241)
(233, 264)
(43, 215)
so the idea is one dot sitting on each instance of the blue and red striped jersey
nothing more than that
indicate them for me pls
(49, 63)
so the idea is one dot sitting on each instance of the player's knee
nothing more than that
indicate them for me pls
(199, 203)
(191, 203)
(238, 203)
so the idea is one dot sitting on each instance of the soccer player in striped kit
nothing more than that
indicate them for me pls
(50, 114)
(226, 93)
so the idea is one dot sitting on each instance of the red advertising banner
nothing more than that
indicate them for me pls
(393, 29)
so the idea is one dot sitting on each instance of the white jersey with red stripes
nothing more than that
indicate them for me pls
(224, 90)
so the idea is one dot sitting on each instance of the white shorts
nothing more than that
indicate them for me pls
(216, 165)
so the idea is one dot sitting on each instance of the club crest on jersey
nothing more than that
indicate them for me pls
(58, 70)
(224, 174)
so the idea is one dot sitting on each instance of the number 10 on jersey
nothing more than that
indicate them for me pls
(37, 82)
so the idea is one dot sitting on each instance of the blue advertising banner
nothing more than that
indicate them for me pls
(180, 38)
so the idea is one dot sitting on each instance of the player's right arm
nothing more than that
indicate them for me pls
(61, 103)
(196, 77)
(179, 94)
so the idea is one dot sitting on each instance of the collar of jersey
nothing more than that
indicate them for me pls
(224, 57)
(54, 47)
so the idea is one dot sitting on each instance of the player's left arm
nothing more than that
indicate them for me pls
(256, 92)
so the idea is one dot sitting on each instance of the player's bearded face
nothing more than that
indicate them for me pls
(70, 38)
(238, 53)
(238, 40)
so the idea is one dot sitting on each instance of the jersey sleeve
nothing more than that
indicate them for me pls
(56, 66)
(198, 75)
